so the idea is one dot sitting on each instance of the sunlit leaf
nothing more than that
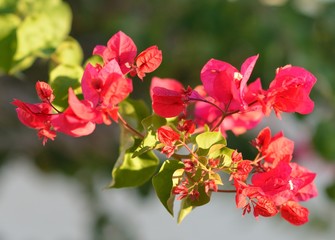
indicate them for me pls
(188, 204)
(132, 171)
(207, 139)
(41, 31)
(185, 209)
(133, 111)
(148, 143)
(163, 183)
(330, 190)
(324, 139)
(61, 79)
(69, 52)
(153, 122)
(8, 25)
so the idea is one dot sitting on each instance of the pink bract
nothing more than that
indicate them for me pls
(119, 47)
(289, 91)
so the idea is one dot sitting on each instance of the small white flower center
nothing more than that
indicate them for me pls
(238, 76)
(291, 184)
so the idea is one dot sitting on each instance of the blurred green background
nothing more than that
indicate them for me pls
(189, 33)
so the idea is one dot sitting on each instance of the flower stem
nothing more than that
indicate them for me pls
(129, 128)
(54, 107)
(223, 115)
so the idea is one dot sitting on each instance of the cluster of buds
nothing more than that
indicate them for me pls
(189, 126)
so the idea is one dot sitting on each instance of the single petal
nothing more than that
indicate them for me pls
(167, 103)
(209, 74)
(294, 213)
(246, 71)
(44, 91)
(168, 83)
(115, 89)
(121, 48)
(99, 50)
(148, 61)
(68, 123)
(91, 84)
(289, 91)
(82, 109)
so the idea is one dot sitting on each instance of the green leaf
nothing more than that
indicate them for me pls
(188, 205)
(61, 79)
(185, 209)
(203, 198)
(94, 60)
(153, 122)
(226, 153)
(163, 183)
(133, 111)
(69, 52)
(148, 143)
(330, 191)
(8, 6)
(26, 7)
(207, 139)
(132, 171)
(45, 25)
(8, 25)
(324, 139)
(215, 150)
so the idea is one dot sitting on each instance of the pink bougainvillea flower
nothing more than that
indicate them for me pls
(277, 189)
(167, 103)
(168, 97)
(227, 88)
(294, 213)
(302, 183)
(122, 49)
(77, 119)
(238, 122)
(44, 91)
(274, 149)
(168, 83)
(148, 61)
(94, 78)
(186, 126)
(210, 185)
(168, 137)
(275, 183)
(243, 170)
(225, 83)
(289, 91)
(69, 123)
(180, 190)
(36, 116)
(105, 88)
(265, 207)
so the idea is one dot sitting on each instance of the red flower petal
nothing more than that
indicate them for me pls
(294, 213)
(44, 91)
(148, 61)
(265, 207)
(168, 83)
(289, 91)
(167, 103)
(119, 47)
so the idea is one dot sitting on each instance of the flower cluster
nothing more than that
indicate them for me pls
(277, 184)
(189, 126)
(103, 88)
(227, 102)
